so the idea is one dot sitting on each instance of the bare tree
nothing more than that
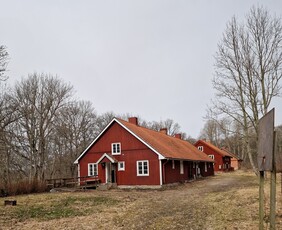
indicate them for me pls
(3, 62)
(38, 99)
(75, 128)
(7, 117)
(103, 120)
(248, 71)
(171, 126)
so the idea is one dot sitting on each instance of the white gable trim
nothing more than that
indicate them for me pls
(108, 157)
(82, 154)
(161, 157)
(115, 120)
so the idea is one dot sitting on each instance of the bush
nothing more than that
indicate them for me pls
(25, 187)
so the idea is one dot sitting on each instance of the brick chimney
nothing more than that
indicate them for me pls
(163, 130)
(133, 120)
(178, 136)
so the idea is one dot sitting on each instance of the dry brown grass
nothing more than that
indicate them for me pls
(226, 201)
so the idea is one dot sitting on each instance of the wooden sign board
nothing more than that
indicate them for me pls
(265, 142)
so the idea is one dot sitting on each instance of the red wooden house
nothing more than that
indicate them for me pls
(126, 154)
(222, 158)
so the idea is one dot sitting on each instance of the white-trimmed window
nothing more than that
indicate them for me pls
(201, 148)
(143, 168)
(92, 169)
(116, 148)
(173, 164)
(121, 166)
(211, 156)
(181, 167)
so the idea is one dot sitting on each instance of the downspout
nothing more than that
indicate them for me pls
(163, 166)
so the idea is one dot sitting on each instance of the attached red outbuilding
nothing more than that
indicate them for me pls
(127, 154)
(221, 157)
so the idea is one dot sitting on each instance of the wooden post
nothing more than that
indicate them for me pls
(273, 189)
(273, 200)
(261, 199)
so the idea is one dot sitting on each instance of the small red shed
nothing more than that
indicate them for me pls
(235, 160)
(129, 155)
(222, 158)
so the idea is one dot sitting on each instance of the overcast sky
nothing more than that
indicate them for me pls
(149, 58)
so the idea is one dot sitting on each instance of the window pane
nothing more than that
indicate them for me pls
(145, 170)
(90, 170)
(95, 170)
(145, 167)
(140, 171)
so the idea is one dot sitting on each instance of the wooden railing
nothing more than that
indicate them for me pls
(86, 181)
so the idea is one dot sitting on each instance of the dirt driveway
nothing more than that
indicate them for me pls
(225, 201)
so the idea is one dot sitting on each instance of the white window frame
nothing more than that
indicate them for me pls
(114, 148)
(211, 156)
(121, 166)
(173, 164)
(201, 148)
(181, 167)
(92, 167)
(143, 162)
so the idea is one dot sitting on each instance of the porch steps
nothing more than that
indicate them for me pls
(106, 186)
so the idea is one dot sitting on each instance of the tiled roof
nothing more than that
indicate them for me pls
(218, 150)
(169, 147)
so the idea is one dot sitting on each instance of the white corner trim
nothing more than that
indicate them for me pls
(161, 172)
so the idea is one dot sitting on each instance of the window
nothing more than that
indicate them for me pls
(173, 165)
(201, 148)
(121, 166)
(211, 156)
(181, 167)
(116, 150)
(92, 169)
(142, 168)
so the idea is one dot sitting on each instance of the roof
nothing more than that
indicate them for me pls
(216, 149)
(232, 154)
(165, 146)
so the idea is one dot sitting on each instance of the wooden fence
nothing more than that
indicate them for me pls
(86, 181)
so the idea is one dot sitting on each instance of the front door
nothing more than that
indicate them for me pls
(113, 173)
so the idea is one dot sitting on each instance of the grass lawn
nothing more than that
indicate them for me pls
(225, 201)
